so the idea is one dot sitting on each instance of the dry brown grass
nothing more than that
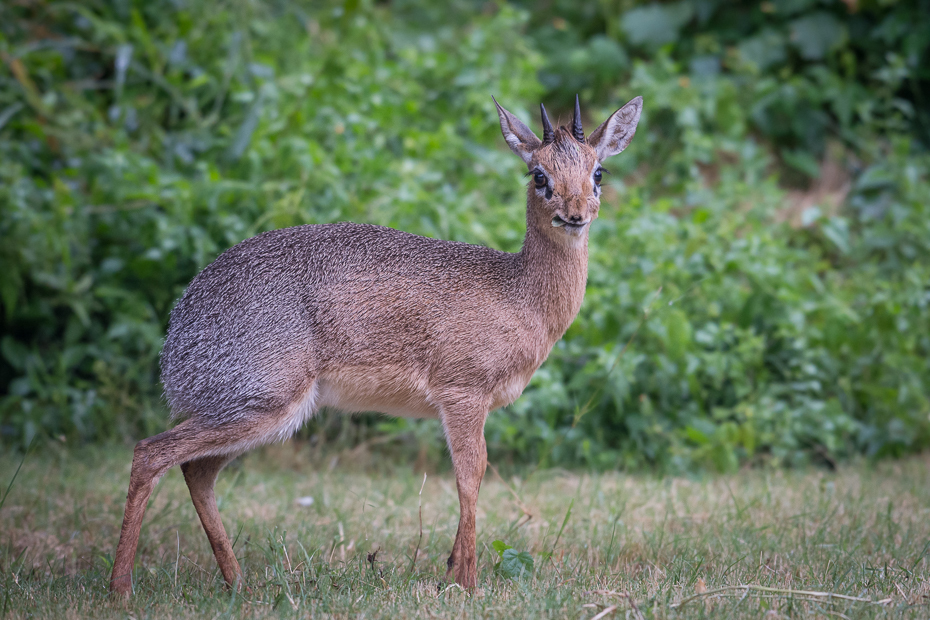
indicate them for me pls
(862, 532)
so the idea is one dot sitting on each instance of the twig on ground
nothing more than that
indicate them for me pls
(903, 595)
(286, 556)
(782, 592)
(416, 551)
(636, 613)
(442, 590)
(607, 611)
(199, 567)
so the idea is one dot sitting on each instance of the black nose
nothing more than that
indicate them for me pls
(574, 219)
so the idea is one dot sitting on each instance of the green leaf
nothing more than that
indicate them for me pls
(802, 161)
(836, 229)
(14, 352)
(817, 34)
(9, 293)
(514, 564)
(679, 333)
(696, 436)
(500, 546)
(654, 25)
(247, 128)
(763, 50)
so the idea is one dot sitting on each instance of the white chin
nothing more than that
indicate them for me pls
(571, 229)
(574, 231)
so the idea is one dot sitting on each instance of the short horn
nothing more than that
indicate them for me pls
(548, 134)
(577, 131)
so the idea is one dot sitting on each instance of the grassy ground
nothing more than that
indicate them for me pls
(632, 546)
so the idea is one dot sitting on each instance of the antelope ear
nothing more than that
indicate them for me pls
(615, 133)
(519, 137)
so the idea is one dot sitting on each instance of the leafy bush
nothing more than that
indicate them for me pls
(762, 341)
(805, 70)
(726, 321)
(140, 143)
(747, 340)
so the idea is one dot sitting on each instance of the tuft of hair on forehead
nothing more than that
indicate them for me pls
(565, 151)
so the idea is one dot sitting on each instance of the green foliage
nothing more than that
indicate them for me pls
(512, 563)
(748, 340)
(138, 142)
(714, 334)
(806, 70)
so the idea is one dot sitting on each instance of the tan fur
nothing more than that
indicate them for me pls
(363, 318)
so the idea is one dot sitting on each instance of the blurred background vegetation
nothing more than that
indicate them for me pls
(759, 286)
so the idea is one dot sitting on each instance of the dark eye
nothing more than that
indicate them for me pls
(597, 176)
(540, 180)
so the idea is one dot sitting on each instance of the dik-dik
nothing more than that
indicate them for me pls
(364, 318)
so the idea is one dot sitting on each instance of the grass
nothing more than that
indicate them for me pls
(632, 546)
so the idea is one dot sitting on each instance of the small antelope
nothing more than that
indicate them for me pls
(365, 318)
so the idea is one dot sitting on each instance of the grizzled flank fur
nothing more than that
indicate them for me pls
(365, 318)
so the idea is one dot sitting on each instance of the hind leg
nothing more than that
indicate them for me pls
(200, 475)
(152, 457)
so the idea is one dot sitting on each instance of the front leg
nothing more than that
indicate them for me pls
(464, 426)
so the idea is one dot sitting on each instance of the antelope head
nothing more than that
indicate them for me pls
(564, 193)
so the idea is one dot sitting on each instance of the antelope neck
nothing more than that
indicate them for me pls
(552, 276)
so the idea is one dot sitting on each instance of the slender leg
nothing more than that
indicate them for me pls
(465, 435)
(200, 475)
(151, 459)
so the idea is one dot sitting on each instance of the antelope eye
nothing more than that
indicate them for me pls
(540, 180)
(597, 177)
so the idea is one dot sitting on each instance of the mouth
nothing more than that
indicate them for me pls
(558, 222)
